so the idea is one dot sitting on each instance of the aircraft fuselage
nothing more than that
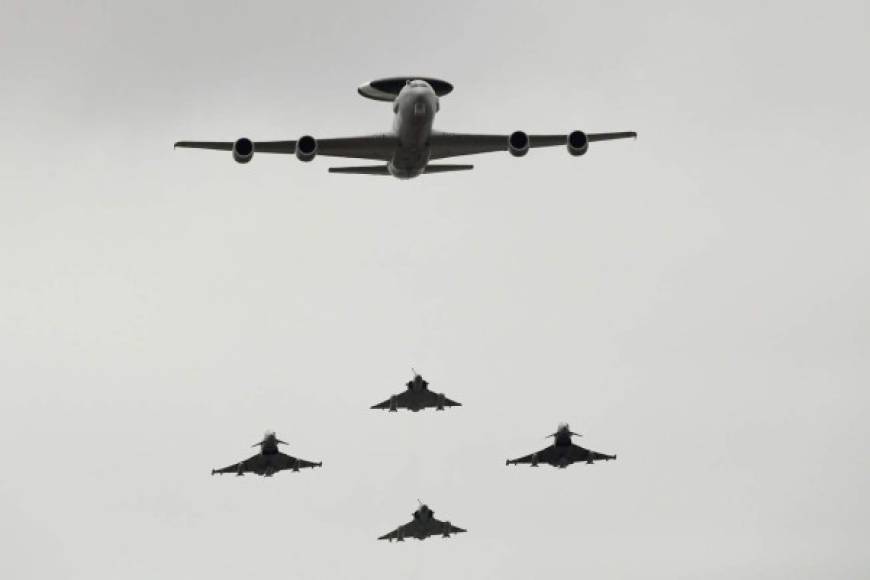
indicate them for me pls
(269, 447)
(563, 439)
(414, 109)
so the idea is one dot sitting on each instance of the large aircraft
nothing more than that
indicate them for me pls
(416, 396)
(408, 150)
(422, 526)
(268, 461)
(562, 452)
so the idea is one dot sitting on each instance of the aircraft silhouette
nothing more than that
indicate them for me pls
(562, 452)
(422, 526)
(406, 150)
(268, 461)
(417, 396)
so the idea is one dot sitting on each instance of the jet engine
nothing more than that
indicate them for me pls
(306, 148)
(400, 535)
(442, 400)
(243, 150)
(446, 532)
(534, 459)
(394, 404)
(518, 143)
(296, 465)
(578, 143)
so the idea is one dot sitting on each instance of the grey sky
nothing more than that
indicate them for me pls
(694, 301)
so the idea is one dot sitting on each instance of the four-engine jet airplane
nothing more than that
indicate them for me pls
(268, 461)
(422, 526)
(408, 149)
(562, 452)
(417, 396)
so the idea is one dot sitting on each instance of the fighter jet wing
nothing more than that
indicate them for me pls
(283, 461)
(401, 400)
(248, 465)
(380, 146)
(545, 455)
(434, 400)
(444, 528)
(582, 454)
(409, 530)
(443, 145)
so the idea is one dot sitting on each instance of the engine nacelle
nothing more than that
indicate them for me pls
(243, 150)
(400, 536)
(446, 531)
(518, 143)
(578, 143)
(534, 459)
(394, 404)
(296, 465)
(442, 400)
(306, 148)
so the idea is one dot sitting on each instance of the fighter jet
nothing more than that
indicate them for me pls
(408, 149)
(562, 452)
(417, 396)
(268, 461)
(422, 526)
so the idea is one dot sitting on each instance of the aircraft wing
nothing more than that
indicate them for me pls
(249, 464)
(382, 405)
(401, 401)
(234, 468)
(444, 528)
(432, 400)
(582, 454)
(283, 461)
(379, 146)
(545, 455)
(443, 145)
(404, 531)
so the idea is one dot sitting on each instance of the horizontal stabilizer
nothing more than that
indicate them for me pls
(363, 170)
(444, 168)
